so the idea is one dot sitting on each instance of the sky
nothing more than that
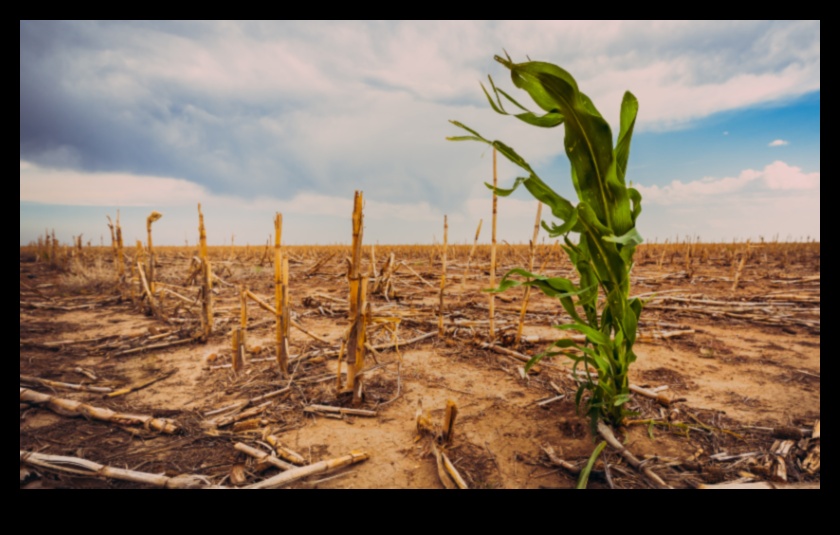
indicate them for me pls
(254, 118)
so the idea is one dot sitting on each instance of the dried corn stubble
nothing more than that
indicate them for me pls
(206, 280)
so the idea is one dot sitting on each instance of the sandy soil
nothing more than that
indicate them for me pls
(746, 373)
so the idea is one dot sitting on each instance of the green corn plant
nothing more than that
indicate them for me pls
(604, 220)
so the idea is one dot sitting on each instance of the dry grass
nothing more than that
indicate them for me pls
(87, 276)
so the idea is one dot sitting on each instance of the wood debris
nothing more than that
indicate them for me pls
(324, 467)
(608, 435)
(142, 384)
(763, 485)
(282, 451)
(67, 407)
(811, 463)
(557, 461)
(324, 409)
(448, 474)
(29, 380)
(263, 457)
(83, 467)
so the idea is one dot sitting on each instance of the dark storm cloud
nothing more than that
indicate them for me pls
(277, 108)
(82, 107)
(241, 108)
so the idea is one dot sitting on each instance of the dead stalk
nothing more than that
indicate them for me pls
(324, 467)
(73, 408)
(355, 341)
(441, 330)
(154, 216)
(470, 256)
(449, 421)
(279, 298)
(237, 360)
(741, 267)
(608, 435)
(206, 281)
(530, 270)
(492, 297)
(83, 467)
(243, 324)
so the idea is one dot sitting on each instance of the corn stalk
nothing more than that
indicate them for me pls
(532, 252)
(154, 216)
(72, 408)
(470, 256)
(441, 330)
(493, 249)
(114, 247)
(604, 221)
(358, 297)
(281, 297)
(206, 281)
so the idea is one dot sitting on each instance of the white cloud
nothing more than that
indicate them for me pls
(72, 188)
(779, 200)
(176, 196)
(794, 216)
(775, 176)
(781, 176)
(299, 114)
(678, 70)
(75, 188)
(777, 143)
(678, 192)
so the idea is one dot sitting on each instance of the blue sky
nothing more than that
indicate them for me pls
(256, 118)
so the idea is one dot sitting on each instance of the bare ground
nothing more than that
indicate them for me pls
(747, 378)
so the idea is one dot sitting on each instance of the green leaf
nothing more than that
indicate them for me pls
(588, 143)
(583, 481)
(631, 237)
(604, 218)
(549, 120)
(536, 358)
(631, 325)
(501, 192)
(560, 207)
(555, 231)
(629, 110)
(512, 156)
(594, 335)
(621, 400)
(463, 138)
(556, 287)
(497, 108)
(476, 135)
(636, 198)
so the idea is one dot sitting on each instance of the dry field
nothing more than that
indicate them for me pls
(735, 366)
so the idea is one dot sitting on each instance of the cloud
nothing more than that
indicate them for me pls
(678, 192)
(793, 216)
(300, 114)
(76, 188)
(254, 108)
(775, 176)
(778, 200)
(777, 143)
(73, 188)
(63, 188)
(781, 176)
